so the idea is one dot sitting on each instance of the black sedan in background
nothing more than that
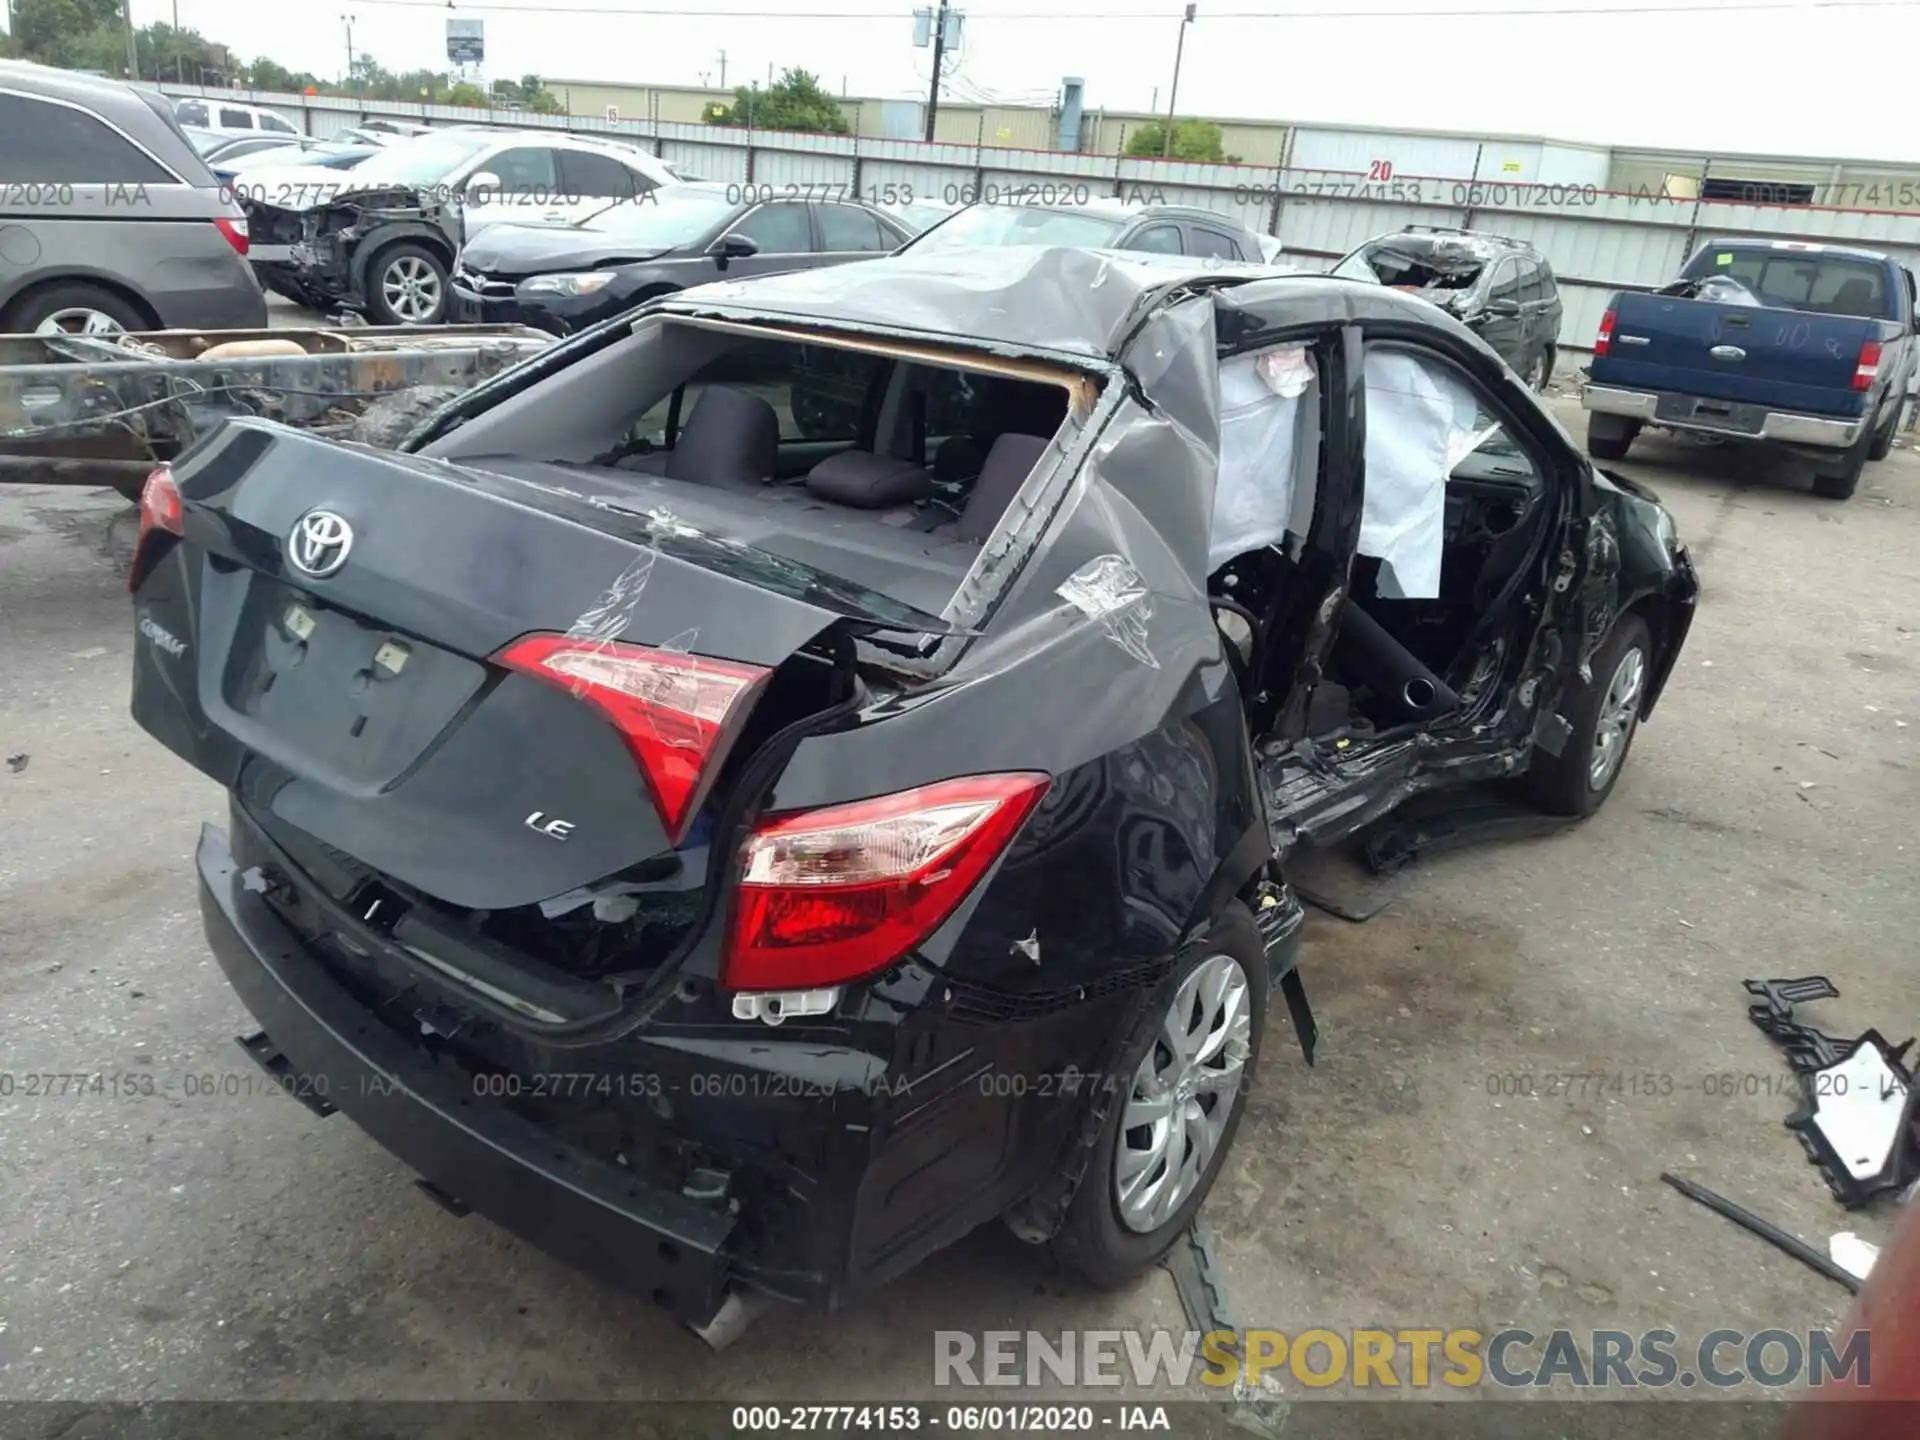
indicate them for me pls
(562, 278)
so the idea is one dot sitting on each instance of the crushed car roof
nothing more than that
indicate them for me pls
(1454, 246)
(1046, 297)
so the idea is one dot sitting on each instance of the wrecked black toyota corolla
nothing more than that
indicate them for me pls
(743, 856)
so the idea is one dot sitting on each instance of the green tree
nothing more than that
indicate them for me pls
(794, 102)
(51, 31)
(538, 98)
(366, 77)
(466, 93)
(103, 48)
(1192, 140)
(265, 74)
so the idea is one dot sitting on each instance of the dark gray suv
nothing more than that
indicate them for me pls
(108, 219)
(1503, 290)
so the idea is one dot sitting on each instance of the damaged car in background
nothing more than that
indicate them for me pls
(381, 238)
(743, 857)
(1503, 290)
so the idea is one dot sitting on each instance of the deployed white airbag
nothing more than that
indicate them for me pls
(1421, 420)
(1268, 420)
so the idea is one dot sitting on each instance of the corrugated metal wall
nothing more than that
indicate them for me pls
(1361, 152)
(1598, 240)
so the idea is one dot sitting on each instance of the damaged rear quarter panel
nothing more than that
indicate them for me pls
(1648, 577)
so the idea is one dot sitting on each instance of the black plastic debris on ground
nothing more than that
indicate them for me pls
(17, 763)
(1359, 879)
(1858, 1120)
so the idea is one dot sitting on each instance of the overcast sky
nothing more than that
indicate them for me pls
(1823, 77)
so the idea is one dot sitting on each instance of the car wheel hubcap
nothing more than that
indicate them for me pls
(79, 320)
(411, 288)
(1183, 1094)
(1619, 713)
(1537, 377)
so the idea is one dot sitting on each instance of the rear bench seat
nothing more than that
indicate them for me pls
(731, 441)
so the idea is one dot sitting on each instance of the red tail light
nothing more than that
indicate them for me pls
(675, 712)
(1867, 368)
(827, 896)
(1605, 337)
(159, 510)
(235, 231)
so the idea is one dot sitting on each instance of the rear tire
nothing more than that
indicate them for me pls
(1097, 1242)
(1883, 439)
(1609, 436)
(1541, 371)
(1840, 482)
(1576, 782)
(67, 306)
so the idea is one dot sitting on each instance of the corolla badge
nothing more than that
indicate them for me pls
(319, 543)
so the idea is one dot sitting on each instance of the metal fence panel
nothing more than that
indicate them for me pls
(1037, 187)
(1329, 226)
(710, 162)
(1597, 241)
(1581, 309)
(888, 181)
(1362, 151)
(799, 172)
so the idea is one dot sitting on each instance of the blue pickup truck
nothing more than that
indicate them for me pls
(1805, 347)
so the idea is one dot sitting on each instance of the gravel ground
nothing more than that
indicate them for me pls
(237, 1246)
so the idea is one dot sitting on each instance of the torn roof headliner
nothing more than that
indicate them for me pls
(1069, 301)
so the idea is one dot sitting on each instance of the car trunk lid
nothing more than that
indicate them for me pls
(375, 709)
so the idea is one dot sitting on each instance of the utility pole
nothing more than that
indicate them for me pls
(939, 51)
(1173, 99)
(347, 20)
(723, 69)
(133, 55)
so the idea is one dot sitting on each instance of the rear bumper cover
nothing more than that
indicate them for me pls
(567, 1202)
(1654, 407)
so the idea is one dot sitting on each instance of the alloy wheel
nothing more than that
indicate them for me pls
(411, 289)
(79, 320)
(1183, 1094)
(1619, 713)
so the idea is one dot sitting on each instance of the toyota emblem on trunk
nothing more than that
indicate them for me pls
(318, 543)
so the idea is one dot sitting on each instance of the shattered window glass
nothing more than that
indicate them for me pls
(1405, 269)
